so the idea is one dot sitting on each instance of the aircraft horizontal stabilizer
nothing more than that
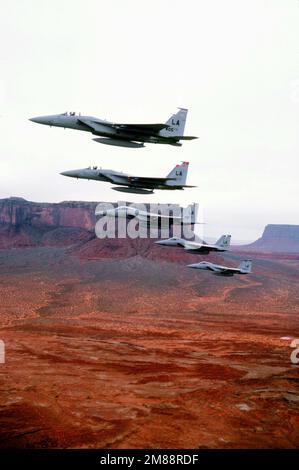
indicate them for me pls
(140, 127)
(186, 137)
(149, 180)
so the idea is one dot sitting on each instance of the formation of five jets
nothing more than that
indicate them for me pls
(135, 136)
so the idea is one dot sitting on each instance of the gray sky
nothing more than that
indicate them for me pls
(233, 63)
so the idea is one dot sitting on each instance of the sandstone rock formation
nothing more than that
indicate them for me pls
(280, 238)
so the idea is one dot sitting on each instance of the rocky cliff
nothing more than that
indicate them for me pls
(277, 238)
(24, 223)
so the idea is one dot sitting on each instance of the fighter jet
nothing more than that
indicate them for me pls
(135, 184)
(201, 248)
(123, 135)
(129, 212)
(218, 270)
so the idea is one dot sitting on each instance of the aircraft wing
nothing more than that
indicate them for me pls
(114, 177)
(96, 126)
(185, 137)
(130, 128)
(139, 128)
(226, 270)
(162, 216)
(199, 247)
(149, 180)
(133, 180)
(221, 269)
(90, 123)
(193, 247)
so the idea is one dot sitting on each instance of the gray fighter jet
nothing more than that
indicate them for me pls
(123, 135)
(201, 248)
(188, 216)
(218, 270)
(134, 184)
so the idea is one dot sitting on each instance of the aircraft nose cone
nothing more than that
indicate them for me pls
(160, 242)
(40, 119)
(68, 173)
(193, 265)
(37, 119)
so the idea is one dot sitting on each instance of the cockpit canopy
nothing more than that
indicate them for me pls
(71, 113)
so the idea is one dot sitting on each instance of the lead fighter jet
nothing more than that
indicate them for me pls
(218, 270)
(123, 135)
(134, 184)
(194, 247)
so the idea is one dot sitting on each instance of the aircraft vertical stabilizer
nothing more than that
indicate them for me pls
(224, 241)
(179, 175)
(175, 124)
(245, 266)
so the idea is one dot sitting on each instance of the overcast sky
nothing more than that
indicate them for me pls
(233, 63)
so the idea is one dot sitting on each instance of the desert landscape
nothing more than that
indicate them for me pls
(116, 344)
